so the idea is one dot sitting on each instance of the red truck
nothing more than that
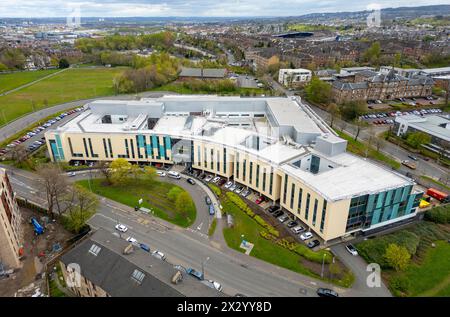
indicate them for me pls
(442, 197)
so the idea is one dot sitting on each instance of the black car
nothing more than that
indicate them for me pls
(190, 181)
(412, 157)
(325, 292)
(292, 224)
(277, 213)
(208, 200)
(273, 208)
(202, 176)
(313, 243)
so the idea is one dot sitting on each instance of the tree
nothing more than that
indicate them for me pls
(63, 63)
(351, 110)
(373, 53)
(318, 91)
(55, 184)
(149, 173)
(120, 171)
(359, 124)
(82, 204)
(103, 167)
(135, 171)
(19, 154)
(415, 139)
(183, 203)
(173, 193)
(397, 257)
(333, 110)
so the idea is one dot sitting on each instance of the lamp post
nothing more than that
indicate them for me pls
(323, 264)
(203, 266)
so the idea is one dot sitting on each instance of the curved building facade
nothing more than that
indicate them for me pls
(278, 147)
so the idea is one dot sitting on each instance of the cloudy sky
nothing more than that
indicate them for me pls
(190, 8)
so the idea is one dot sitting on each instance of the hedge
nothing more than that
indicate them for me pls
(235, 199)
(439, 214)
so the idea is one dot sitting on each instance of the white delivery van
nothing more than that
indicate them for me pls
(174, 174)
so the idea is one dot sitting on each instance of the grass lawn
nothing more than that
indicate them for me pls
(179, 88)
(14, 80)
(428, 273)
(435, 181)
(359, 148)
(153, 193)
(267, 250)
(70, 85)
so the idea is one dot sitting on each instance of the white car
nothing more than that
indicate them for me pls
(350, 248)
(233, 187)
(71, 174)
(208, 178)
(306, 236)
(132, 240)
(213, 284)
(161, 173)
(283, 218)
(158, 254)
(121, 228)
(297, 229)
(228, 184)
(216, 179)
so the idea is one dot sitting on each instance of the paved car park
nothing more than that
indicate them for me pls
(389, 117)
(34, 139)
(280, 219)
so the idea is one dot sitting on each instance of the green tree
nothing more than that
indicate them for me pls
(373, 54)
(120, 171)
(82, 204)
(149, 173)
(351, 110)
(184, 203)
(63, 63)
(173, 193)
(397, 257)
(318, 91)
(415, 139)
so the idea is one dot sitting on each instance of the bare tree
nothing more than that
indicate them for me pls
(81, 205)
(103, 167)
(359, 125)
(55, 184)
(19, 154)
(333, 110)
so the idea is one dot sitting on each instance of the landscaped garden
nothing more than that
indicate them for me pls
(414, 261)
(271, 247)
(166, 201)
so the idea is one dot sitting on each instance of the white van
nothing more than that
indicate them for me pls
(174, 174)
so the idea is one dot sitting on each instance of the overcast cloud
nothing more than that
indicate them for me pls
(190, 8)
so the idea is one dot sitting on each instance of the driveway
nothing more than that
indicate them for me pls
(358, 266)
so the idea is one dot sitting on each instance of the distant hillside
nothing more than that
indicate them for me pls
(387, 13)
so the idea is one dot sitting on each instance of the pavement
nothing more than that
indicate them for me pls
(237, 272)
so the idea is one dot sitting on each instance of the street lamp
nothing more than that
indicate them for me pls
(323, 264)
(203, 266)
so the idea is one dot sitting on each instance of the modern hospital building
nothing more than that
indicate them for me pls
(278, 147)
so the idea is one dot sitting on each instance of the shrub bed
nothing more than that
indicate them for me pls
(439, 214)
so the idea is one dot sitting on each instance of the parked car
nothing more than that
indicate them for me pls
(412, 157)
(260, 200)
(207, 200)
(190, 181)
(228, 184)
(325, 292)
(71, 174)
(233, 187)
(144, 247)
(306, 236)
(121, 228)
(194, 273)
(292, 224)
(273, 208)
(132, 240)
(277, 213)
(208, 178)
(246, 192)
(216, 179)
(313, 243)
(298, 229)
(350, 248)
(158, 254)
(283, 218)
(239, 189)
(214, 284)
(161, 173)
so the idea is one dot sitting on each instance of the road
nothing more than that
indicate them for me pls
(237, 272)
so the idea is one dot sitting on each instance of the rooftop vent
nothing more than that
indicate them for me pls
(138, 276)
(94, 250)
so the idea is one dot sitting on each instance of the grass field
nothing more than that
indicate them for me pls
(14, 80)
(154, 195)
(70, 85)
(428, 274)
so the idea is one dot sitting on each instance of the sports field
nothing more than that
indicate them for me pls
(70, 85)
(14, 80)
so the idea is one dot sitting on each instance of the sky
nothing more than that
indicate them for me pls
(191, 8)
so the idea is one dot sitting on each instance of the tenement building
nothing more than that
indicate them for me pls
(369, 85)
(10, 224)
(278, 147)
